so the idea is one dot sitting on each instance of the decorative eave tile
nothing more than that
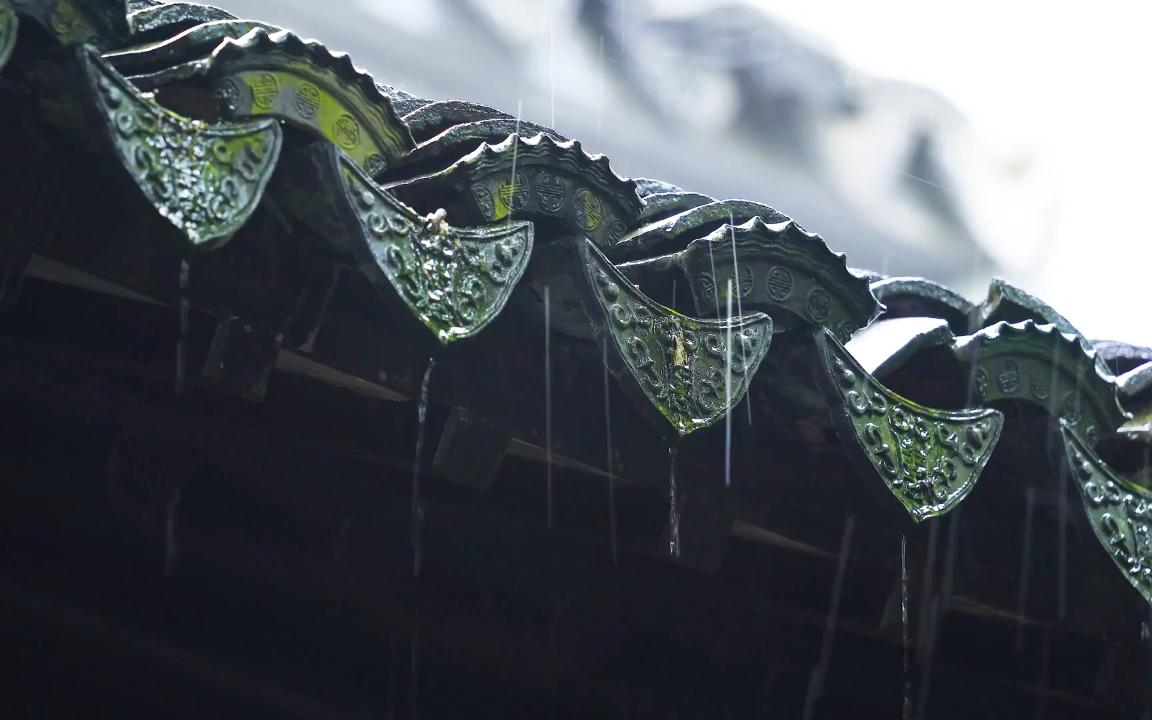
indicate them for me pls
(9, 29)
(885, 345)
(677, 364)
(915, 296)
(454, 280)
(98, 23)
(929, 459)
(173, 15)
(659, 206)
(673, 233)
(540, 179)
(187, 45)
(1139, 427)
(445, 148)
(1120, 357)
(662, 200)
(1042, 366)
(777, 268)
(435, 117)
(206, 179)
(1119, 511)
(1136, 384)
(278, 74)
(1010, 303)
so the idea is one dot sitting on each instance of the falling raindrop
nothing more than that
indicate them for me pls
(1056, 444)
(309, 345)
(728, 394)
(930, 567)
(1025, 566)
(414, 688)
(182, 338)
(515, 151)
(1146, 636)
(673, 510)
(392, 666)
(816, 677)
(739, 301)
(554, 684)
(931, 614)
(1054, 441)
(906, 631)
(170, 547)
(340, 542)
(552, 62)
(926, 634)
(971, 384)
(600, 94)
(417, 508)
(1042, 694)
(715, 283)
(612, 538)
(950, 558)
(548, 396)
(1062, 543)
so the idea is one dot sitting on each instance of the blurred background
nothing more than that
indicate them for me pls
(951, 140)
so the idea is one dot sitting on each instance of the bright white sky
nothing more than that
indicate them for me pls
(1068, 82)
(1064, 84)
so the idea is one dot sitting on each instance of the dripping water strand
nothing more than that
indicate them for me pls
(950, 558)
(1054, 442)
(970, 388)
(392, 666)
(417, 507)
(414, 675)
(182, 338)
(601, 85)
(309, 344)
(739, 301)
(715, 284)
(1146, 636)
(1042, 694)
(548, 397)
(905, 630)
(170, 546)
(1062, 543)
(612, 538)
(930, 615)
(1025, 566)
(673, 510)
(1055, 445)
(926, 633)
(552, 62)
(816, 678)
(512, 189)
(728, 394)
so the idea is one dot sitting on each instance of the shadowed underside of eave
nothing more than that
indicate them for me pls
(243, 257)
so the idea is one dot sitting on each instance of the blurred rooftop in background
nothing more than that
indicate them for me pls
(736, 100)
